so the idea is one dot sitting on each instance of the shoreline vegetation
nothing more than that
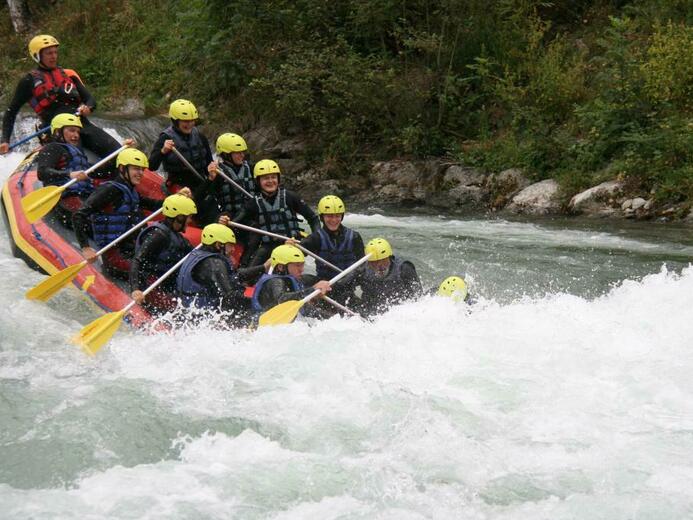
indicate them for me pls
(529, 106)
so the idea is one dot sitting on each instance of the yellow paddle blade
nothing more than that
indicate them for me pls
(281, 314)
(38, 203)
(95, 335)
(45, 290)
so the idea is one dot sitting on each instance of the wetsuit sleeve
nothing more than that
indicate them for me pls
(250, 275)
(247, 214)
(299, 206)
(103, 196)
(22, 95)
(411, 283)
(271, 292)
(155, 156)
(312, 242)
(48, 158)
(84, 94)
(213, 274)
(153, 244)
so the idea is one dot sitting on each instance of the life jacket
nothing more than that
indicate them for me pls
(277, 217)
(229, 198)
(78, 162)
(176, 248)
(53, 86)
(191, 292)
(193, 149)
(341, 254)
(110, 224)
(390, 287)
(296, 285)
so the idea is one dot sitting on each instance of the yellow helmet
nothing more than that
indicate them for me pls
(213, 233)
(227, 143)
(40, 42)
(177, 204)
(265, 167)
(379, 248)
(62, 120)
(453, 287)
(286, 254)
(331, 205)
(132, 156)
(182, 109)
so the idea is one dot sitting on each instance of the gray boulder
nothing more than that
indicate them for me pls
(540, 198)
(597, 200)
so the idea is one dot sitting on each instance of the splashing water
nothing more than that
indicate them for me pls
(565, 393)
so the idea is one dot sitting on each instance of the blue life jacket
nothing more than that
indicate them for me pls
(191, 292)
(78, 162)
(229, 198)
(277, 217)
(390, 288)
(255, 301)
(342, 255)
(177, 248)
(109, 225)
(193, 149)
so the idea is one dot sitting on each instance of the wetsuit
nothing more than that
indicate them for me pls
(108, 212)
(282, 221)
(341, 248)
(54, 163)
(93, 137)
(401, 283)
(194, 147)
(272, 290)
(158, 248)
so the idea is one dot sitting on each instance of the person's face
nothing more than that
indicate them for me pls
(71, 135)
(180, 222)
(186, 126)
(228, 249)
(135, 173)
(49, 57)
(295, 269)
(380, 267)
(237, 158)
(332, 222)
(269, 183)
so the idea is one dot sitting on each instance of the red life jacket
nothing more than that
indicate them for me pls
(53, 86)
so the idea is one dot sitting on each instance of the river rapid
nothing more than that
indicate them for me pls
(564, 393)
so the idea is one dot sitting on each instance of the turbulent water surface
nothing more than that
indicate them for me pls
(565, 393)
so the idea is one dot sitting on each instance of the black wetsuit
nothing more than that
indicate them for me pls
(93, 137)
(401, 283)
(178, 173)
(279, 290)
(255, 253)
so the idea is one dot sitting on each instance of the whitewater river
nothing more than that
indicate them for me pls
(565, 393)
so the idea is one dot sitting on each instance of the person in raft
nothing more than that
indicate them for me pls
(387, 280)
(158, 248)
(113, 209)
(51, 90)
(275, 209)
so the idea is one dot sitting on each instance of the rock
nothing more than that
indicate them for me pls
(540, 198)
(626, 204)
(505, 185)
(399, 181)
(638, 203)
(648, 205)
(261, 139)
(462, 176)
(594, 200)
(287, 148)
(689, 217)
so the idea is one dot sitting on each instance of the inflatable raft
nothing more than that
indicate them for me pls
(48, 246)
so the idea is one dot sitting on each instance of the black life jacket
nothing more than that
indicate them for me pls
(296, 285)
(229, 198)
(277, 217)
(390, 289)
(340, 254)
(77, 162)
(53, 86)
(192, 148)
(177, 248)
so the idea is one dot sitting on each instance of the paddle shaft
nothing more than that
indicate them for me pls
(337, 278)
(234, 183)
(30, 137)
(339, 306)
(97, 165)
(280, 237)
(187, 164)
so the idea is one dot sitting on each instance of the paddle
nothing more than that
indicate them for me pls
(286, 312)
(280, 237)
(234, 183)
(38, 203)
(45, 290)
(187, 164)
(29, 137)
(95, 335)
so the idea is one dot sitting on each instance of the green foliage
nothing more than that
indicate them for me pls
(578, 90)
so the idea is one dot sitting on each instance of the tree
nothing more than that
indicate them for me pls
(19, 13)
